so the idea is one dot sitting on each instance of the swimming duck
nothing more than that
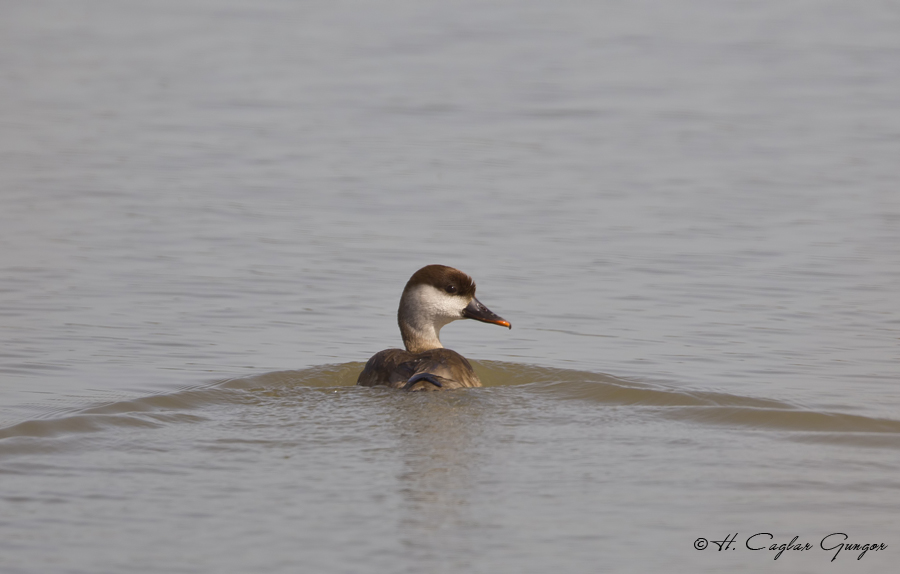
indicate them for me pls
(434, 296)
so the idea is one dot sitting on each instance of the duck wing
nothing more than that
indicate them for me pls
(431, 370)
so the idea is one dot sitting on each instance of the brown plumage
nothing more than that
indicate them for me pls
(434, 296)
(396, 367)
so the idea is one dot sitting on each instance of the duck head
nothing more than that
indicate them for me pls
(434, 296)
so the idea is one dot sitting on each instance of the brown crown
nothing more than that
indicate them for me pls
(442, 277)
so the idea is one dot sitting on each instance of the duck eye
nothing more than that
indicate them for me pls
(450, 288)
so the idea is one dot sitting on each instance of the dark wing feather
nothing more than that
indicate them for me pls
(394, 367)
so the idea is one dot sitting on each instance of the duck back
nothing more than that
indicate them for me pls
(430, 370)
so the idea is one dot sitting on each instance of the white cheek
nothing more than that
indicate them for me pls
(440, 305)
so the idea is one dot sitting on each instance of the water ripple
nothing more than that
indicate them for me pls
(282, 389)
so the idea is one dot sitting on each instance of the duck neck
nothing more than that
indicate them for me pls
(418, 336)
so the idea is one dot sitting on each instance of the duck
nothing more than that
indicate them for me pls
(434, 296)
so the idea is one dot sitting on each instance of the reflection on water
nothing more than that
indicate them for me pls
(436, 440)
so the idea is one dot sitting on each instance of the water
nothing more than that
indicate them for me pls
(688, 212)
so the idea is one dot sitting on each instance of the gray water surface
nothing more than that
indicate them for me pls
(688, 211)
